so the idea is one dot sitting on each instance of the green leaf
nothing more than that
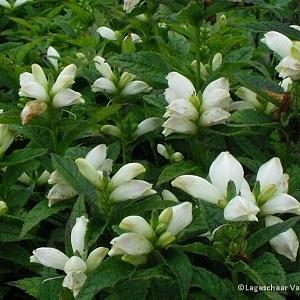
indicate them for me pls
(242, 54)
(40, 212)
(11, 232)
(69, 171)
(181, 267)
(148, 66)
(22, 156)
(250, 116)
(269, 268)
(110, 271)
(30, 286)
(175, 170)
(292, 281)
(256, 278)
(196, 248)
(100, 114)
(263, 235)
(178, 42)
(211, 284)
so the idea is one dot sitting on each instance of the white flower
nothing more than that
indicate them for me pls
(103, 67)
(285, 243)
(35, 85)
(122, 185)
(288, 50)
(107, 33)
(75, 267)
(129, 5)
(5, 4)
(135, 87)
(240, 209)
(52, 56)
(273, 197)
(185, 110)
(224, 169)
(148, 125)
(167, 195)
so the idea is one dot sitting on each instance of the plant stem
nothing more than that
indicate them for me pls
(198, 55)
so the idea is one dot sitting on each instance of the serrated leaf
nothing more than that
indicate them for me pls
(40, 212)
(178, 42)
(250, 116)
(110, 271)
(196, 248)
(241, 54)
(100, 114)
(181, 267)
(175, 170)
(269, 268)
(22, 156)
(256, 278)
(30, 286)
(263, 235)
(148, 66)
(211, 284)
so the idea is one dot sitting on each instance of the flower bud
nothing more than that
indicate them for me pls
(95, 258)
(217, 61)
(32, 109)
(111, 130)
(295, 50)
(89, 172)
(167, 195)
(177, 156)
(166, 216)
(3, 208)
(52, 56)
(125, 79)
(135, 87)
(107, 33)
(222, 21)
(148, 125)
(165, 240)
(162, 150)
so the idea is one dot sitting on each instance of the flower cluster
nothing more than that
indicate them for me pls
(289, 52)
(36, 86)
(76, 267)
(268, 197)
(141, 238)
(186, 111)
(111, 84)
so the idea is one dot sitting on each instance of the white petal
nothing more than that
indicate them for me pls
(226, 168)
(129, 5)
(97, 156)
(136, 38)
(132, 189)
(289, 67)
(104, 85)
(182, 217)
(162, 150)
(295, 27)
(286, 84)
(167, 195)
(182, 108)
(278, 43)
(75, 264)
(60, 192)
(221, 83)
(103, 67)
(52, 56)
(65, 79)
(179, 125)
(180, 85)
(39, 75)
(74, 281)
(170, 95)
(89, 171)
(31, 88)
(138, 225)
(198, 188)
(285, 243)
(132, 243)
(214, 116)
(5, 4)
(78, 233)
(270, 173)
(282, 203)
(135, 87)
(126, 173)
(95, 258)
(217, 97)
(148, 125)
(49, 257)
(240, 209)
(66, 97)
(55, 177)
(107, 33)
(20, 2)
